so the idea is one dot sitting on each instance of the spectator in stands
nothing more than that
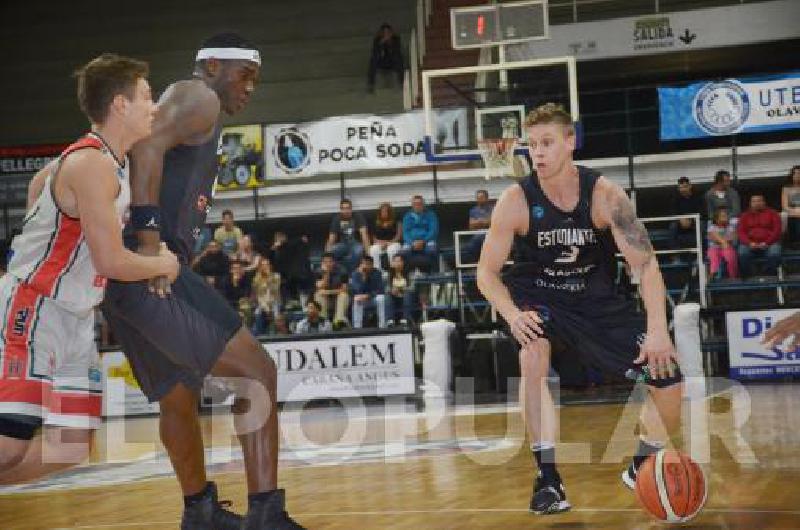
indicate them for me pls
(212, 263)
(386, 235)
(480, 216)
(332, 289)
(420, 232)
(387, 54)
(790, 205)
(400, 292)
(247, 255)
(314, 322)
(266, 290)
(686, 202)
(723, 195)
(236, 288)
(291, 259)
(228, 235)
(759, 235)
(366, 284)
(722, 246)
(280, 326)
(205, 235)
(348, 236)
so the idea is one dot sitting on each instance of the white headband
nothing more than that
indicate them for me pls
(229, 53)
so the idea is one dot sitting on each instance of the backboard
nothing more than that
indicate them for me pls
(494, 96)
(494, 24)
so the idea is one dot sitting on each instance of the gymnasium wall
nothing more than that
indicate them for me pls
(315, 55)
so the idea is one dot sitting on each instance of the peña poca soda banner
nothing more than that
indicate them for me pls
(356, 143)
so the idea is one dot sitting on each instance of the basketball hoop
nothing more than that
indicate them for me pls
(498, 156)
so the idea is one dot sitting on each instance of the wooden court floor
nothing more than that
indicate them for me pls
(452, 469)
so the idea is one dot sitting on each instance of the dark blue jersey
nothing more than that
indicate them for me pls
(186, 190)
(563, 252)
(187, 186)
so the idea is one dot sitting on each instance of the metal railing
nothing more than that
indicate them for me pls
(416, 54)
(697, 251)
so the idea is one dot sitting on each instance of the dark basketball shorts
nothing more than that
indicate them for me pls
(174, 339)
(601, 332)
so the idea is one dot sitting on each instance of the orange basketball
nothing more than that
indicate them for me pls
(671, 486)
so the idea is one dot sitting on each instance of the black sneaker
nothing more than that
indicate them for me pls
(270, 514)
(549, 497)
(629, 477)
(210, 514)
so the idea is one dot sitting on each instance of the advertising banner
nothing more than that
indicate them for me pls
(355, 143)
(17, 166)
(367, 365)
(732, 106)
(309, 367)
(675, 31)
(121, 393)
(241, 158)
(749, 359)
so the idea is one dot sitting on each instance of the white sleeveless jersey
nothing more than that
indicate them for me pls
(51, 253)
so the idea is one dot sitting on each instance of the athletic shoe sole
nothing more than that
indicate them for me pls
(556, 507)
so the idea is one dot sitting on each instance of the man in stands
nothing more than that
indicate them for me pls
(332, 288)
(723, 195)
(313, 322)
(387, 54)
(212, 263)
(290, 257)
(368, 291)
(686, 202)
(480, 217)
(228, 235)
(420, 232)
(347, 236)
(759, 235)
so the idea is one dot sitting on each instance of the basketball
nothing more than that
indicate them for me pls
(671, 486)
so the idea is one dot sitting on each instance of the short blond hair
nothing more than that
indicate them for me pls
(550, 113)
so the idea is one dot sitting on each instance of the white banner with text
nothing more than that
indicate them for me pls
(356, 143)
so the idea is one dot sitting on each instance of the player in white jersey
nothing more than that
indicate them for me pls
(71, 241)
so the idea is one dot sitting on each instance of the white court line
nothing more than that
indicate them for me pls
(443, 511)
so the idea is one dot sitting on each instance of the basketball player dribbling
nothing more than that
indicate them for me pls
(173, 343)
(563, 222)
(71, 241)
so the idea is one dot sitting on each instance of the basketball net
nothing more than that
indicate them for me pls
(498, 153)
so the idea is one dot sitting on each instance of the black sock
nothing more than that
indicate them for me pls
(644, 450)
(546, 460)
(259, 497)
(197, 497)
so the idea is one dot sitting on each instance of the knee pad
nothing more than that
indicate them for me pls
(17, 427)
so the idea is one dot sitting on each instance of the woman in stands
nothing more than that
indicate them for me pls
(400, 291)
(722, 245)
(386, 234)
(267, 293)
(790, 205)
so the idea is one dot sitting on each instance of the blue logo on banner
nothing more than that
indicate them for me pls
(292, 150)
(538, 211)
(722, 108)
(754, 327)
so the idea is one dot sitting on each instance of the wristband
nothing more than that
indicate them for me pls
(146, 217)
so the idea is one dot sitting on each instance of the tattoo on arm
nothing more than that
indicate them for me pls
(625, 221)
